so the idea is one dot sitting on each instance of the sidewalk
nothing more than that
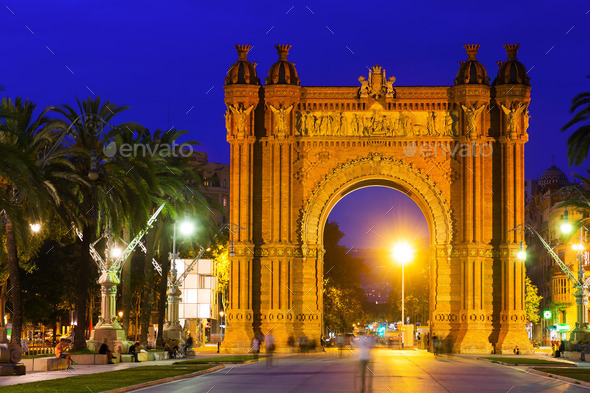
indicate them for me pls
(82, 369)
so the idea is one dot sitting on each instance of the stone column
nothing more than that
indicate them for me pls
(242, 89)
(173, 330)
(512, 101)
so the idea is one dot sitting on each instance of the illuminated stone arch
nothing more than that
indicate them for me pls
(296, 150)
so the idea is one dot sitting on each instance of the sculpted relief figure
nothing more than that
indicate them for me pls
(282, 118)
(389, 86)
(472, 118)
(526, 120)
(512, 117)
(337, 124)
(402, 125)
(451, 121)
(431, 124)
(364, 90)
(310, 124)
(300, 118)
(241, 115)
(227, 116)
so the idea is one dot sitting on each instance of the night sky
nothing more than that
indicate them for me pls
(167, 60)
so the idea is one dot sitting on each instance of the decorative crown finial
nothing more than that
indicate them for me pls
(511, 50)
(283, 50)
(243, 50)
(471, 51)
(377, 69)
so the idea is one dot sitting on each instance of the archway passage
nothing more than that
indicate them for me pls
(362, 279)
(456, 151)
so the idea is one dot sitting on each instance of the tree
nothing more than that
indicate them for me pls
(531, 300)
(118, 193)
(49, 184)
(579, 142)
(344, 300)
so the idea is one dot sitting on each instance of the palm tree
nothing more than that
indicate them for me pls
(46, 183)
(175, 178)
(118, 194)
(579, 142)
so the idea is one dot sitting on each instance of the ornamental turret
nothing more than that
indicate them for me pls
(511, 71)
(471, 70)
(242, 72)
(282, 72)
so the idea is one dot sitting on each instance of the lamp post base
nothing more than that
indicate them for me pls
(115, 335)
(580, 334)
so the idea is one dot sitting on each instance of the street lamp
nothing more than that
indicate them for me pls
(521, 253)
(173, 330)
(221, 315)
(581, 294)
(403, 253)
(566, 227)
(35, 227)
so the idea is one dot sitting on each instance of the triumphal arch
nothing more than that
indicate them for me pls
(457, 151)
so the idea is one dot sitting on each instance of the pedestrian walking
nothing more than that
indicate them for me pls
(435, 345)
(269, 346)
(255, 347)
(365, 345)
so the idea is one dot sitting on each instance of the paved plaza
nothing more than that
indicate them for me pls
(392, 371)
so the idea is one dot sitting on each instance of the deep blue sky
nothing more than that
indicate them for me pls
(152, 55)
(390, 217)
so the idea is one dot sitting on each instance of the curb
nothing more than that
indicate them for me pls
(547, 365)
(560, 377)
(165, 380)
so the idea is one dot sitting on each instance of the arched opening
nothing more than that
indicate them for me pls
(362, 280)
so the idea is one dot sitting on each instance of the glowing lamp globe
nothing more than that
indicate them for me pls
(403, 253)
(116, 252)
(186, 228)
(521, 255)
(566, 228)
(35, 227)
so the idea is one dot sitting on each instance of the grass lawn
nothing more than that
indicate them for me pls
(105, 381)
(220, 359)
(582, 374)
(521, 360)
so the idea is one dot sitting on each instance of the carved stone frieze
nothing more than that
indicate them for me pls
(377, 122)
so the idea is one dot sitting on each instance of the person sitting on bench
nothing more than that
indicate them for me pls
(104, 350)
(133, 350)
(60, 351)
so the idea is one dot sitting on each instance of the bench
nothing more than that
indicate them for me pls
(125, 358)
(90, 359)
(49, 364)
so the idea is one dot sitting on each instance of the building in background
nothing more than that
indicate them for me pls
(544, 213)
(216, 180)
(198, 307)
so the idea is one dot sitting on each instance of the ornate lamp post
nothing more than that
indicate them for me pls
(173, 330)
(403, 253)
(110, 276)
(582, 330)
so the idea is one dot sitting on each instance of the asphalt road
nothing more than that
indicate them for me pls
(391, 371)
